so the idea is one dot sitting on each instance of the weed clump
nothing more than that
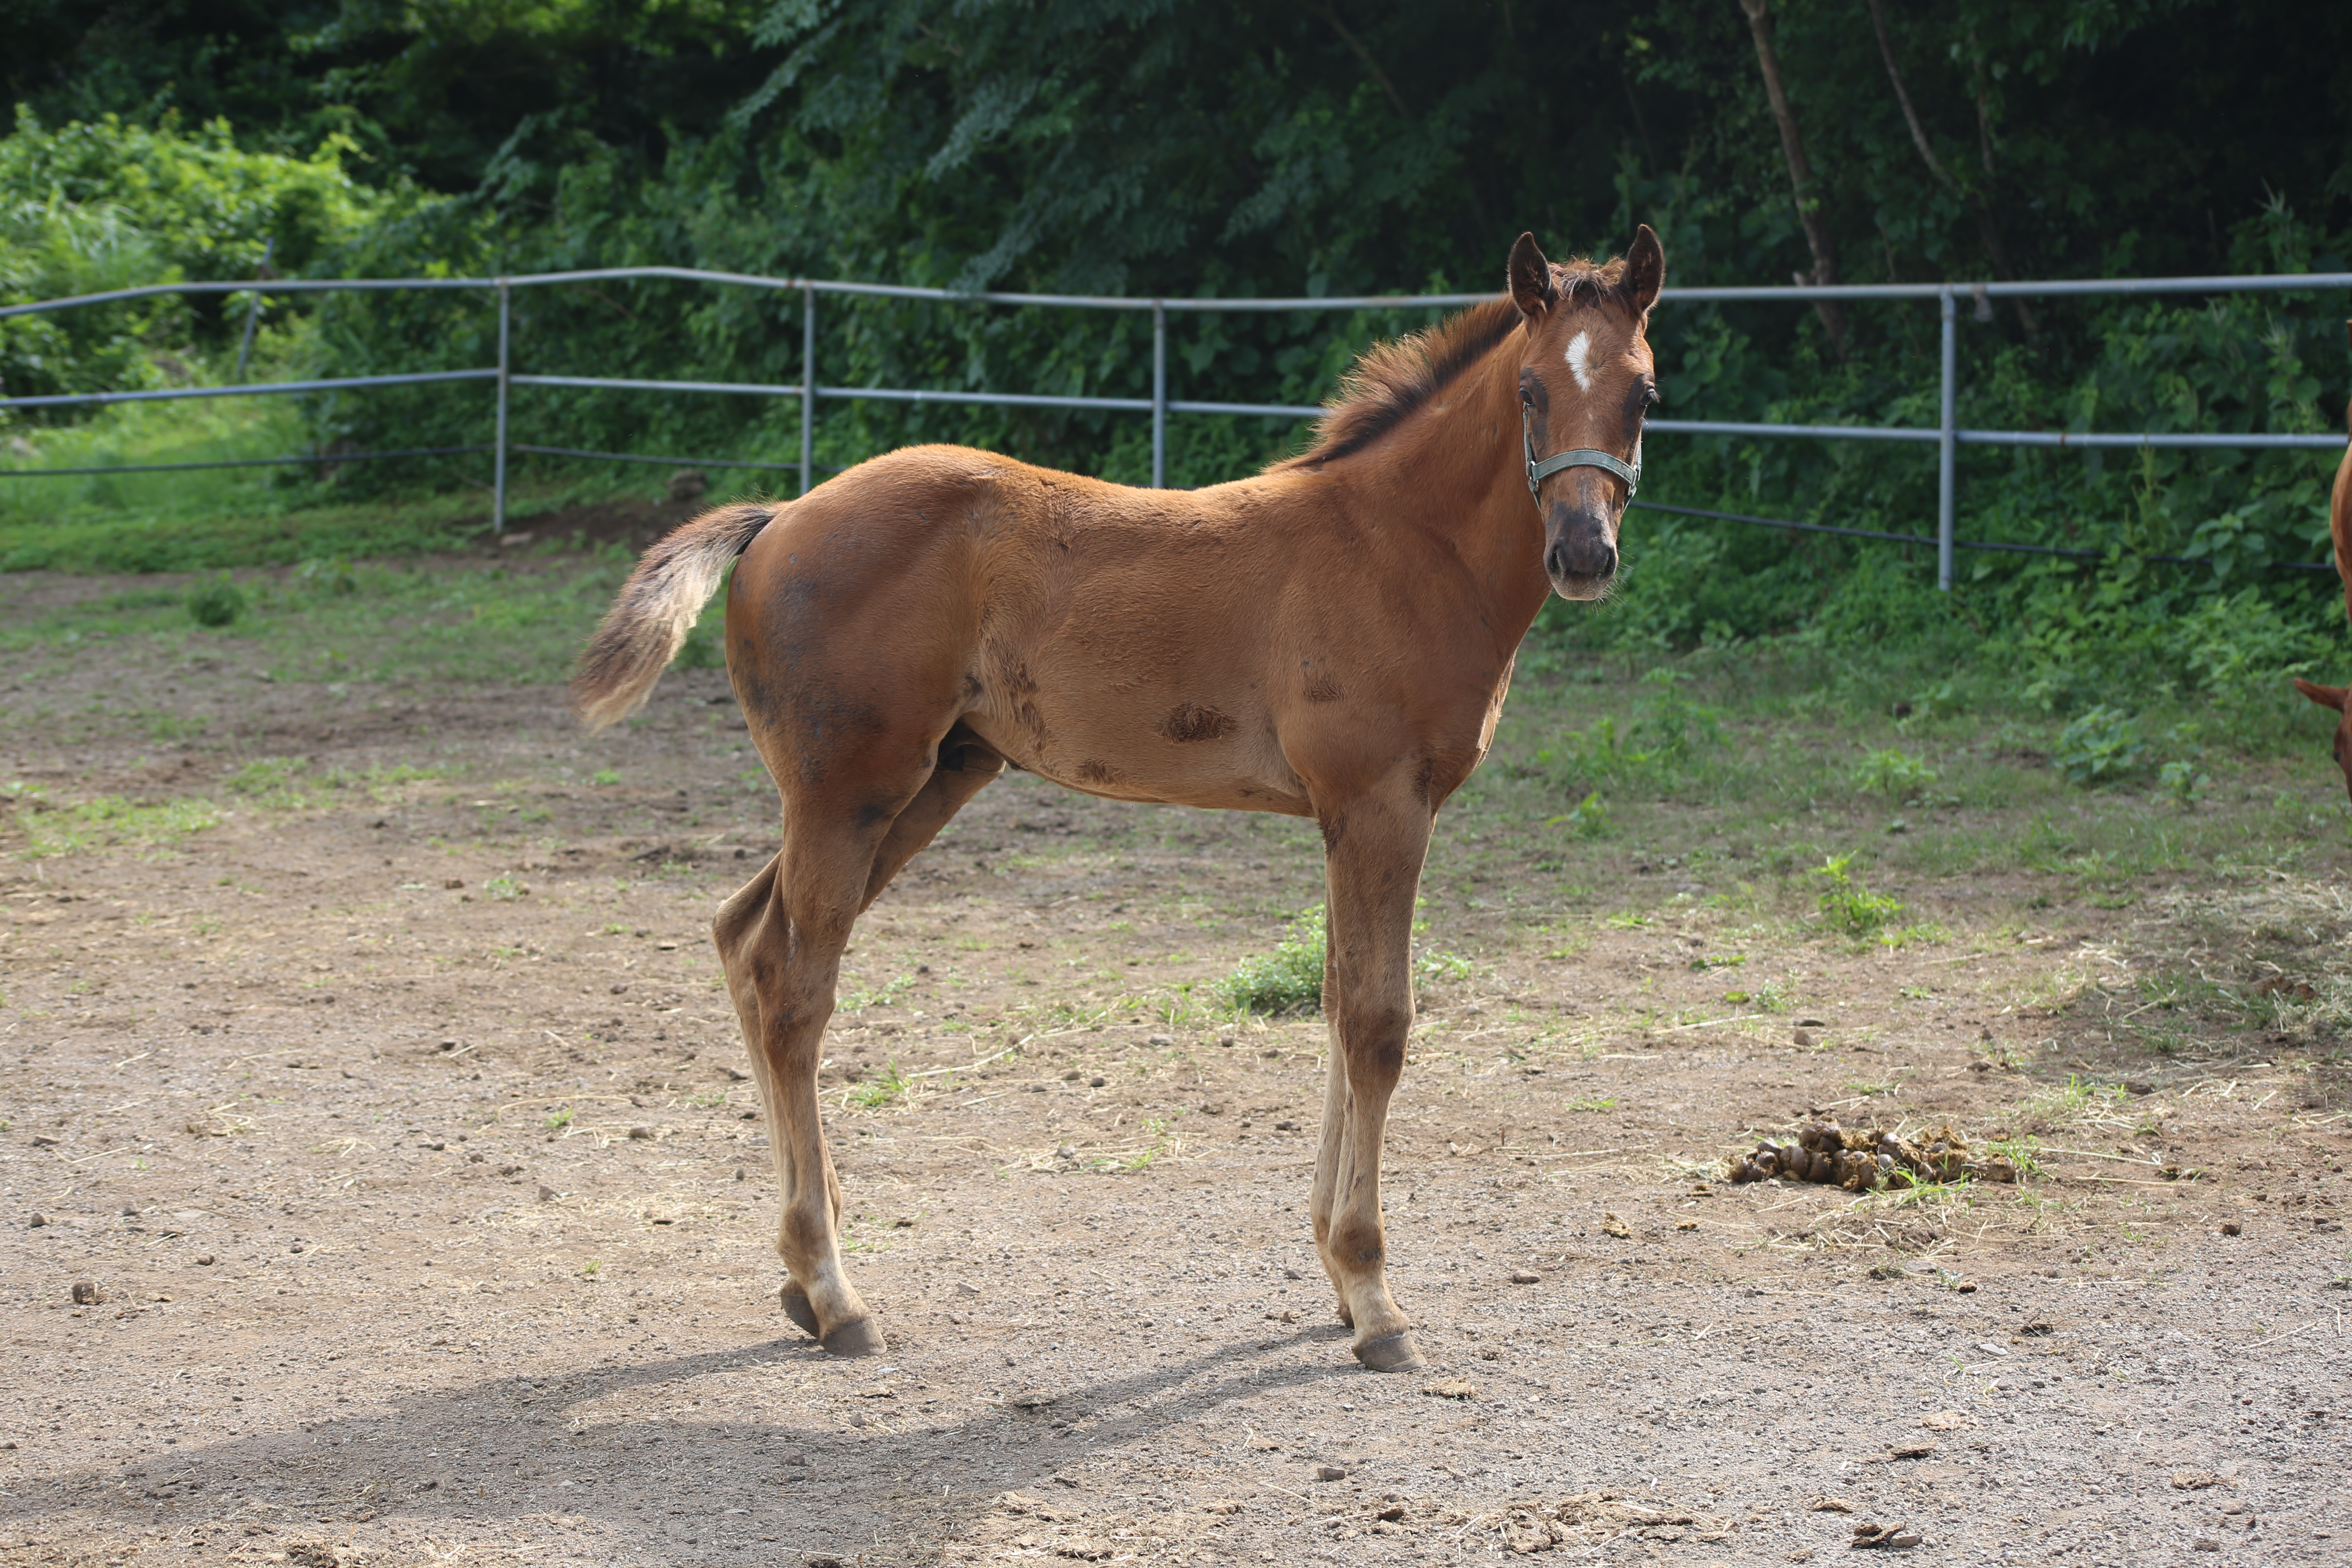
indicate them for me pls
(1290, 978)
(1850, 907)
(217, 604)
(1589, 818)
(1893, 773)
(1287, 979)
(2101, 746)
(884, 1088)
(2184, 781)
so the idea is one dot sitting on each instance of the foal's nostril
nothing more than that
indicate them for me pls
(1594, 559)
(1580, 548)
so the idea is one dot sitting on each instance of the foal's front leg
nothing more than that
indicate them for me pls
(1373, 872)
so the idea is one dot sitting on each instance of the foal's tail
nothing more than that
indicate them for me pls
(657, 607)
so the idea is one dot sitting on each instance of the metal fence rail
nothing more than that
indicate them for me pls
(1946, 435)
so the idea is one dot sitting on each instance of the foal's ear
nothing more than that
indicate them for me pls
(1645, 269)
(2326, 696)
(1532, 290)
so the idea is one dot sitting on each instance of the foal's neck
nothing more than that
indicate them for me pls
(1456, 470)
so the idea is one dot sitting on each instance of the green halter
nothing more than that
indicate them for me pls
(1578, 457)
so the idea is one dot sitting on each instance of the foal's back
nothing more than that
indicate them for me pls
(1168, 645)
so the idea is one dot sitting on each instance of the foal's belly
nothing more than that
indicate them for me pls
(1195, 757)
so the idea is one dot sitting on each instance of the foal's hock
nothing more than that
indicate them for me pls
(1331, 639)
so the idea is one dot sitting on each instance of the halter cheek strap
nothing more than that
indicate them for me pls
(1578, 458)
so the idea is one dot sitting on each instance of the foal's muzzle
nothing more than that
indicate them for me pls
(1579, 553)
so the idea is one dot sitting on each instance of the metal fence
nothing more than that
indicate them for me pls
(1945, 435)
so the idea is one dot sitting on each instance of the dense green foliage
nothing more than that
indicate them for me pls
(1140, 146)
(108, 205)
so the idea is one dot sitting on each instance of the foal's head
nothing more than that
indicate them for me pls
(1585, 379)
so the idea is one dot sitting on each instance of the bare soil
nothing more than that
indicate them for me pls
(401, 1129)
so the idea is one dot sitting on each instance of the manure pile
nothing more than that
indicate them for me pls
(1859, 1161)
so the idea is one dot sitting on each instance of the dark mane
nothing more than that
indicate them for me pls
(1392, 380)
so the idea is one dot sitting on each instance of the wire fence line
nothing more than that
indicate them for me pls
(1946, 435)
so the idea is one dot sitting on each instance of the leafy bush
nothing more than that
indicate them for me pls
(107, 205)
(2101, 747)
(217, 604)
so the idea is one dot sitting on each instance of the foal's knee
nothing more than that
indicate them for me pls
(1374, 1031)
(1357, 1242)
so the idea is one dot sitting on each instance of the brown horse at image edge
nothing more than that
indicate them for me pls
(2339, 528)
(1332, 637)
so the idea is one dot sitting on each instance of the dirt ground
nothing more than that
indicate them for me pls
(397, 1118)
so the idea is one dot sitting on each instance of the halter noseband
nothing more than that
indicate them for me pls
(1578, 458)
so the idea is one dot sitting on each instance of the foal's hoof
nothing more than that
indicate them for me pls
(796, 1303)
(856, 1337)
(1394, 1352)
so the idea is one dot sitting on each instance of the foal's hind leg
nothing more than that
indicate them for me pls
(934, 806)
(1373, 871)
(780, 940)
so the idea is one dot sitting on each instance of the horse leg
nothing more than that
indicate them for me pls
(1332, 1147)
(947, 792)
(780, 950)
(1377, 844)
(781, 970)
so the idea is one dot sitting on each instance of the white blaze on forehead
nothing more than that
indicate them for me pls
(1580, 349)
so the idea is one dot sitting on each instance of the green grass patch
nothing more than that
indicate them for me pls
(437, 623)
(105, 822)
(884, 1088)
(863, 997)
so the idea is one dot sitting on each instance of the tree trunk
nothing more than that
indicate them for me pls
(1800, 174)
(1986, 230)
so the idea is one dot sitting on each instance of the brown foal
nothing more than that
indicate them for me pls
(1330, 639)
(2339, 529)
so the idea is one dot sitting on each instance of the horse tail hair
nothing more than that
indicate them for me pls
(655, 608)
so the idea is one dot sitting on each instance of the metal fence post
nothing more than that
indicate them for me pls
(499, 482)
(808, 384)
(253, 311)
(1159, 396)
(1944, 443)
